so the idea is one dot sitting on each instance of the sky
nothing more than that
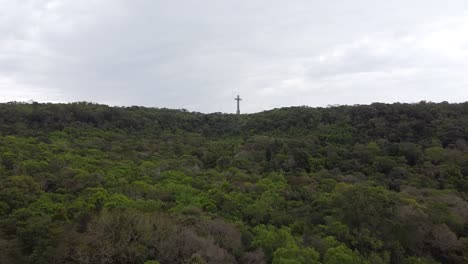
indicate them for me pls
(200, 54)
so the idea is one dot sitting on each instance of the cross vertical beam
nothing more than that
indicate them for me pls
(238, 99)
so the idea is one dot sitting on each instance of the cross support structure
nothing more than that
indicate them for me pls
(238, 99)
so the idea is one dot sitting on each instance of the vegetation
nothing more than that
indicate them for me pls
(87, 183)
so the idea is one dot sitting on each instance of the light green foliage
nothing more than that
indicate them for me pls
(292, 254)
(270, 238)
(51, 204)
(118, 201)
(342, 255)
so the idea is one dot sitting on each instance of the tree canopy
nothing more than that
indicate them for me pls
(89, 183)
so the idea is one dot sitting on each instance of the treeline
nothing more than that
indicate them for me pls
(362, 123)
(88, 183)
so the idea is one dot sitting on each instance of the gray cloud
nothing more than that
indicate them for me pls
(200, 54)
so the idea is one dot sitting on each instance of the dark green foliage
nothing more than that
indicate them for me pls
(88, 183)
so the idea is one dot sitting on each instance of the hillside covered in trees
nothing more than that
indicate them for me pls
(380, 183)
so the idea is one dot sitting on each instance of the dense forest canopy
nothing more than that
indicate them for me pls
(89, 183)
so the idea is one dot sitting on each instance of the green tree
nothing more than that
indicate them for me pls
(342, 255)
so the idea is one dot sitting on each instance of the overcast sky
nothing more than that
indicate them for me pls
(199, 54)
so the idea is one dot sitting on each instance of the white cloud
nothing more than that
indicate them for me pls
(13, 91)
(198, 55)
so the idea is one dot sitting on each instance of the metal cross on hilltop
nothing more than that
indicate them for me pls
(238, 99)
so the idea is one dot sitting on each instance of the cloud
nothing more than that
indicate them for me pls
(199, 55)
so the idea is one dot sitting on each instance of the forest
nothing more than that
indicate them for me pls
(364, 184)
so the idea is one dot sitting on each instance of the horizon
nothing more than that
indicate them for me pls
(234, 112)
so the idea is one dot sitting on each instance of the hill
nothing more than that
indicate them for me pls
(89, 183)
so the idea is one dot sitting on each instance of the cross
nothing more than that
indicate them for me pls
(238, 99)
